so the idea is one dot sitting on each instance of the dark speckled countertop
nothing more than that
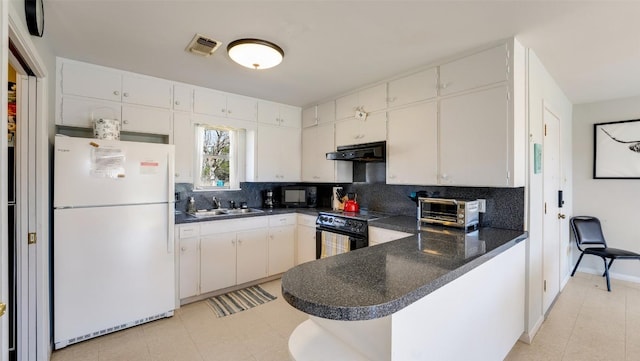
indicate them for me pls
(183, 217)
(377, 281)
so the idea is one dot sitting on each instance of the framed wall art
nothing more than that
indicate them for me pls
(616, 151)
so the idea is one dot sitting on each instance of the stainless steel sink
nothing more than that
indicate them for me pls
(209, 213)
(224, 211)
(243, 211)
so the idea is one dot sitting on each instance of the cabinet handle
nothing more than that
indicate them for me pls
(316, 177)
(233, 242)
(177, 102)
(177, 174)
(229, 111)
(392, 176)
(125, 94)
(125, 122)
(183, 249)
(223, 110)
(115, 92)
(239, 242)
(391, 100)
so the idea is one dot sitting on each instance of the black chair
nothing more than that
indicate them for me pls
(588, 231)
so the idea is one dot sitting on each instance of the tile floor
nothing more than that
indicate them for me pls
(586, 323)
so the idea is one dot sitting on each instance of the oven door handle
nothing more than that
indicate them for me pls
(342, 233)
(441, 201)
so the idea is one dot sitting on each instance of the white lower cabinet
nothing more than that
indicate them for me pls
(220, 254)
(217, 261)
(306, 239)
(282, 238)
(382, 235)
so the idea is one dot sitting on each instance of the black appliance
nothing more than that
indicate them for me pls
(341, 232)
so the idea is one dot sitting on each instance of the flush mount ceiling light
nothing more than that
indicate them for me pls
(255, 53)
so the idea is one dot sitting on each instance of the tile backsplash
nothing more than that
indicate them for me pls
(505, 206)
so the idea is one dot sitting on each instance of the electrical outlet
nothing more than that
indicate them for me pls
(482, 205)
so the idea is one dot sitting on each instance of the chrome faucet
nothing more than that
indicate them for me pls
(216, 203)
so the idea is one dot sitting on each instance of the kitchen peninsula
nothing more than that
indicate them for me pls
(439, 294)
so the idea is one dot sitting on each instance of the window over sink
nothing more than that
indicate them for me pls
(218, 157)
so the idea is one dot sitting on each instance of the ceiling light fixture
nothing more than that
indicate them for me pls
(255, 53)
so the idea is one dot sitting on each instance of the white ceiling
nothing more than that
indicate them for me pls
(592, 49)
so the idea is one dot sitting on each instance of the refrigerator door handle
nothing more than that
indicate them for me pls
(170, 201)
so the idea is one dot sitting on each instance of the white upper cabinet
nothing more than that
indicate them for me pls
(141, 119)
(316, 143)
(413, 88)
(480, 69)
(211, 102)
(475, 143)
(184, 140)
(368, 100)
(326, 112)
(309, 117)
(356, 131)
(278, 154)
(80, 112)
(146, 91)
(182, 98)
(412, 145)
(319, 114)
(91, 81)
(278, 114)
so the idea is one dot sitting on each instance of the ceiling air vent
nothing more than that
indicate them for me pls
(202, 45)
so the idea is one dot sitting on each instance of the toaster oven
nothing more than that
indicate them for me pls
(457, 213)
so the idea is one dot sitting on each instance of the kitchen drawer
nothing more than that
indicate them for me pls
(282, 220)
(233, 225)
(306, 220)
(188, 231)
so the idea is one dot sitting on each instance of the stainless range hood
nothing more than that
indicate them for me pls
(367, 152)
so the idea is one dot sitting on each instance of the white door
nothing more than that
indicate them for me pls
(133, 172)
(551, 220)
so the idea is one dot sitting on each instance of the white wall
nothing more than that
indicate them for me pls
(544, 92)
(613, 201)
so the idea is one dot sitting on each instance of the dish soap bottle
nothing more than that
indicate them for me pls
(191, 207)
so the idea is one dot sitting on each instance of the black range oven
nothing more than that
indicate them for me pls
(340, 232)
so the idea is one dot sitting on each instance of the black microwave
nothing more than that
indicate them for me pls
(299, 196)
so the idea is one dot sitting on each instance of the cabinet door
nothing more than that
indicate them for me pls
(309, 118)
(268, 112)
(189, 267)
(91, 81)
(306, 241)
(290, 116)
(242, 108)
(251, 255)
(346, 106)
(182, 98)
(281, 249)
(209, 102)
(81, 112)
(326, 112)
(316, 143)
(217, 261)
(146, 120)
(146, 91)
(374, 98)
(480, 69)
(414, 88)
(184, 141)
(356, 131)
(412, 145)
(278, 154)
(474, 139)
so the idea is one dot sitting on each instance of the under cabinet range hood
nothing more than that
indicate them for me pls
(367, 152)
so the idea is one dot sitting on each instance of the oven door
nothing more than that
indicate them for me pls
(331, 242)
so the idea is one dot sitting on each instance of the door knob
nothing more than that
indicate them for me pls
(3, 308)
(561, 216)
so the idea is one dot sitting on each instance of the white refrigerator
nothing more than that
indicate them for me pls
(113, 256)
